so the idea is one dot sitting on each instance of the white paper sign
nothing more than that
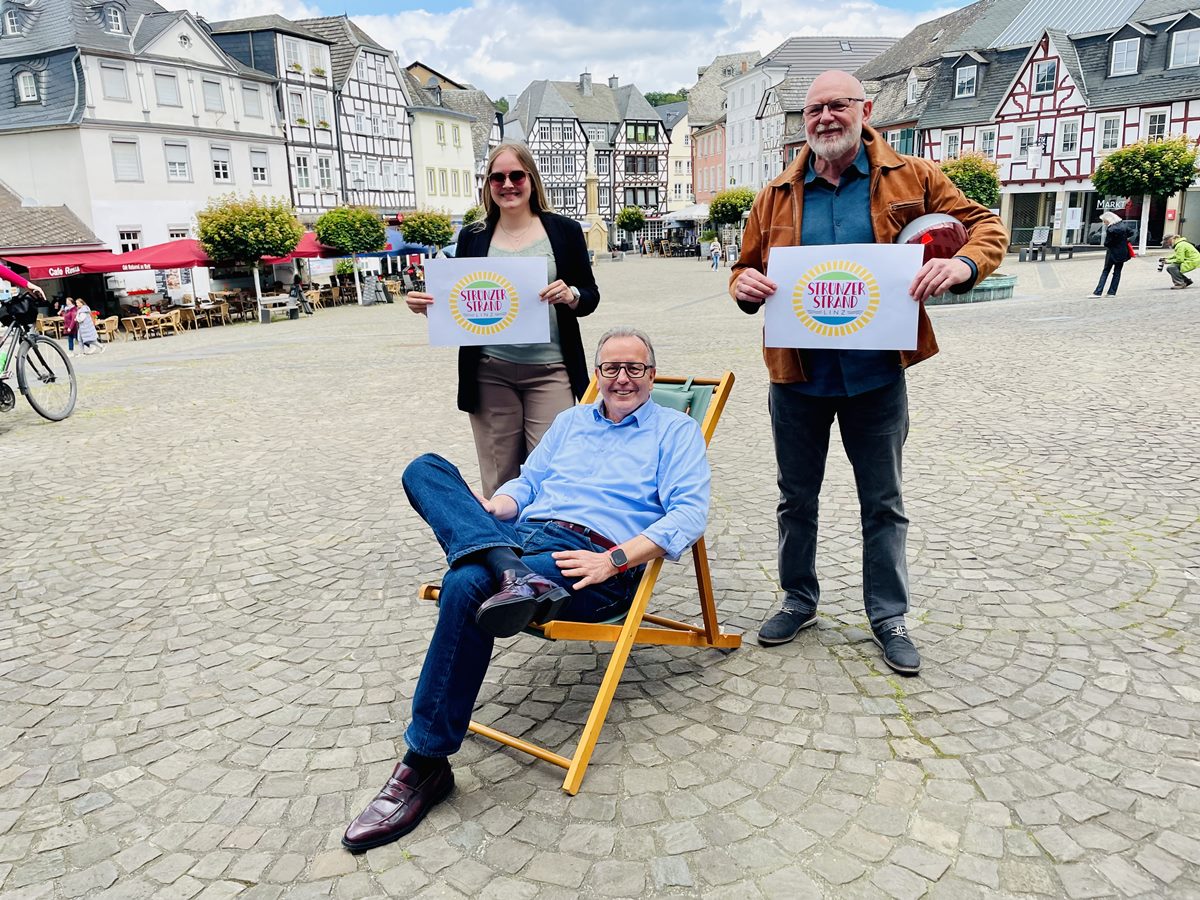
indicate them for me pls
(843, 297)
(487, 300)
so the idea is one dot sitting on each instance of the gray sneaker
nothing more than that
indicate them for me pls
(899, 652)
(784, 625)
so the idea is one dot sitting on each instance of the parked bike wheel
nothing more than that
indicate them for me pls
(46, 377)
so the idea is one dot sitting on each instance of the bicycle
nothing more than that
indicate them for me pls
(44, 373)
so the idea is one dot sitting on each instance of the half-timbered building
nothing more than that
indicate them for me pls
(299, 59)
(374, 131)
(1049, 103)
(563, 122)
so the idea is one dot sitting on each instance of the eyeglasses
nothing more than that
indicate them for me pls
(632, 369)
(840, 105)
(516, 177)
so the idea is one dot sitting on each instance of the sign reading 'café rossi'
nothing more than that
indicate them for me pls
(487, 300)
(843, 296)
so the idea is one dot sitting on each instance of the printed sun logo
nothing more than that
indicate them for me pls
(836, 298)
(483, 303)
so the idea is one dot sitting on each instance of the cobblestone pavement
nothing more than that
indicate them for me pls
(209, 636)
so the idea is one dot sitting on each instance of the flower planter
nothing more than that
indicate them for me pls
(994, 287)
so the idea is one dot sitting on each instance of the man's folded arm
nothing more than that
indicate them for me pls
(684, 484)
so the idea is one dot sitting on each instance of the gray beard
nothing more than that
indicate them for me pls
(839, 148)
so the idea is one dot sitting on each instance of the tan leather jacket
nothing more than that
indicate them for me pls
(902, 188)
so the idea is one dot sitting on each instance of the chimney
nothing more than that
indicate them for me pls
(585, 84)
(613, 82)
(700, 70)
(744, 67)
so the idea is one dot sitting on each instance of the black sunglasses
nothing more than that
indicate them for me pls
(516, 176)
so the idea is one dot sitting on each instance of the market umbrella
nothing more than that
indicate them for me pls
(308, 248)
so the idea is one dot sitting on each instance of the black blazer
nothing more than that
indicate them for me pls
(1116, 242)
(574, 268)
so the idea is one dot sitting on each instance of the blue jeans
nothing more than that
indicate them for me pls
(873, 426)
(459, 651)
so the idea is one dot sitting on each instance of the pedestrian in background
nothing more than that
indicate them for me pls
(1117, 251)
(85, 328)
(69, 329)
(715, 251)
(1183, 259)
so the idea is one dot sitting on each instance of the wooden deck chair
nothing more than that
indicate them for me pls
(704, 399)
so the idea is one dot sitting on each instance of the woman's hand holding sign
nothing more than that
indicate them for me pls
(418, 302)
(559, 292)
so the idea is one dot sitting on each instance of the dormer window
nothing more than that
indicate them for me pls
(27, 88)
(964, 81)
(1125, 57)
(911, 96)
(12, 22)
(1045, 75)
(114, 21)
(1185, 48)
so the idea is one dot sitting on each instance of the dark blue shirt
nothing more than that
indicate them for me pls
(842, 215)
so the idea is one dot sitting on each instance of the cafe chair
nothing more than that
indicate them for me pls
(704, 400)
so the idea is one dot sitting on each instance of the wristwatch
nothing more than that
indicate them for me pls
(618, 558)
(574, 292)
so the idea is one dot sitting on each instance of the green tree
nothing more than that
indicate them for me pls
(352, 230)
(1149, 169)
(427, 227)
(244, 230)
(501, 104)
(976, 176)
(661, 98)
(727, 207)
(472, 215)
(631, 219)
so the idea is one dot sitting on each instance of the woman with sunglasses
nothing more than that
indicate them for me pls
(513, 391)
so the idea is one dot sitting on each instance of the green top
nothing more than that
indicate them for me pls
(531, 353)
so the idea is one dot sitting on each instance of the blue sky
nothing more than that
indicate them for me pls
(502, 45)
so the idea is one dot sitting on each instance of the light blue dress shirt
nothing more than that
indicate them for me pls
(649, 475)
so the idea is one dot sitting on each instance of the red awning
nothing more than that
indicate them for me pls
(184, 253)
(60, 265)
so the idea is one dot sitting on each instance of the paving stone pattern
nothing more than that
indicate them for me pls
(209, 637)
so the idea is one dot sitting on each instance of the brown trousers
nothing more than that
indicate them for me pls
(517, 403)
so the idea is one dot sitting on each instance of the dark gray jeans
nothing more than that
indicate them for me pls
(873, 426)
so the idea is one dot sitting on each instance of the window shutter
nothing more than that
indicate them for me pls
(126, 165)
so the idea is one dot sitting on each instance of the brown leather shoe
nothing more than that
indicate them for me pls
(521, 599)
(398, 808)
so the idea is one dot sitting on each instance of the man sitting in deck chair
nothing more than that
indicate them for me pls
(611, 486)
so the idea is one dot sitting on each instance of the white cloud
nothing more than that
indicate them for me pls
(501, 47)
(220, 10)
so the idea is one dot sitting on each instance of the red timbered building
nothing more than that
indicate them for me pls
(1049, 111)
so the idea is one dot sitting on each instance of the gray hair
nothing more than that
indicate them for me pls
(1110, 218)
(625, 331)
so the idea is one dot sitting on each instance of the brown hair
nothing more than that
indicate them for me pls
(537, 192)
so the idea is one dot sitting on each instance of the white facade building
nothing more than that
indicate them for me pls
(142, 128)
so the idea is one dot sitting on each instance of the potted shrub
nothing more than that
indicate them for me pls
(323, 124)
(318, 71)
(300, 120)
(296, 67)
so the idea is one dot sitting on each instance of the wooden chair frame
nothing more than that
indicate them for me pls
(664, 631)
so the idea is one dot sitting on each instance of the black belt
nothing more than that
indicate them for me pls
(594, 536)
